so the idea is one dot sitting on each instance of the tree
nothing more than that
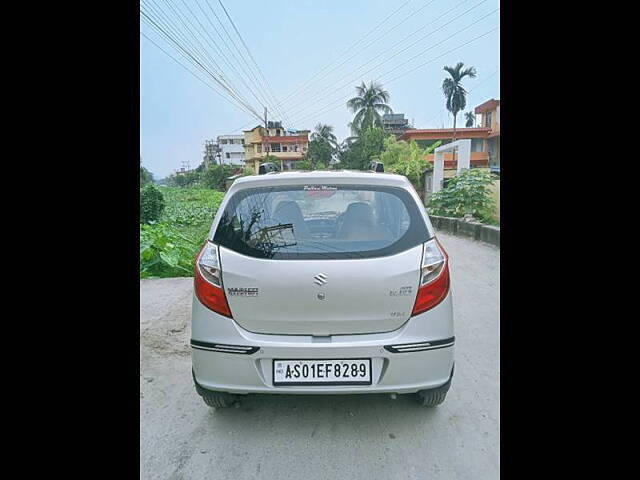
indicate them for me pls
(215, 176)
(324, 132)
(320, 151)
(145, 175)
(407, 159)
(367, 106)
(453, 90)
(191, 178)
(471, 119)
(358, 154)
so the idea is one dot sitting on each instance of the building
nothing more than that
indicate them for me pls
(490, 118)
(288, 146)
(231, 150)
(395, 123)
(485, 140)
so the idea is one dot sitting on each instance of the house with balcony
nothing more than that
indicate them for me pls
(288, 146)
(485, 139)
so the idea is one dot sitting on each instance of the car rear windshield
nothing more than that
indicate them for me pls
(321, 222)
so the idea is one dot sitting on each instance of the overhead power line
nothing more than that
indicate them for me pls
(184, 31)
(235, 104)
(224, 57)
(219, 78)
(411, 15)
(249, 75)
(347, 50)
(182, 17)
(273, 106)
(250, 55)
(349, 83)
(335, 88)
(339, 103)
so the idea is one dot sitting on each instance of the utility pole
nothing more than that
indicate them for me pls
(265, 118)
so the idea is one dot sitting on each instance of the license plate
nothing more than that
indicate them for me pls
(353, 371)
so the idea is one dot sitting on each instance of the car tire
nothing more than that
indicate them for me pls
(218, 399)
(434, 396)
(430, 398)
(214, 399)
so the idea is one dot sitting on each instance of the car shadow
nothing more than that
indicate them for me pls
(308, 415)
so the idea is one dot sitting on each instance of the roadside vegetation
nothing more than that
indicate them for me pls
(169, 245)
(466, 194)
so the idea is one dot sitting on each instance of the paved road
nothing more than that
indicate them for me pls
(319, 437)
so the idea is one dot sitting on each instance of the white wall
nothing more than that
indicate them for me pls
(233, 147)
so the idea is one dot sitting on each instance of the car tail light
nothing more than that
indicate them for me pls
(208, 281)
(434, 280)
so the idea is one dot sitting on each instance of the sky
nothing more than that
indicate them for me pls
(317, 50)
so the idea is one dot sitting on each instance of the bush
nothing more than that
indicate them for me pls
(304, 164)
(151, 204)
(164, 252)
(169, 248)
(465, 194)
(215, 176)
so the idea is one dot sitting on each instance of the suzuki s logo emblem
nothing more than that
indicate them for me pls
(321, 296)
(320, 279)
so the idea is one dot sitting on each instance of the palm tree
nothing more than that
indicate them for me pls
(454, 92)
(367, 106)
(471, 119)
(325, 132)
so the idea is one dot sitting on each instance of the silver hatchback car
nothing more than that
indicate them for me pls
(324, 282)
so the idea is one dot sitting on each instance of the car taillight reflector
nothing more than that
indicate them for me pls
(434, 280)
(208, 281)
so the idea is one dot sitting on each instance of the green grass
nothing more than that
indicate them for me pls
(169, 248)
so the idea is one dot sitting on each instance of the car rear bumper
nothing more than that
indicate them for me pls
(417, 356)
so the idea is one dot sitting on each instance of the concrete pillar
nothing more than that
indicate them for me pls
(438, 171)
(464, 155)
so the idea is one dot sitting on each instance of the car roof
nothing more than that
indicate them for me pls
(321, 176)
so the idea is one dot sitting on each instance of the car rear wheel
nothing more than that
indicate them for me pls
(430, 398)
(214, 399)
(218, 399)
(434, 396)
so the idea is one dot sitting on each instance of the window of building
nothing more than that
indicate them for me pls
(228, 155)
(275, 147)
(477, 144)
(284, 148)
(223, 142)
(487, 121)
(259, 148)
